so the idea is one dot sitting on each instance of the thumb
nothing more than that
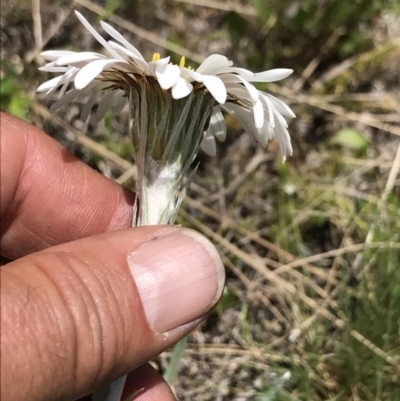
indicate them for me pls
(80, 314)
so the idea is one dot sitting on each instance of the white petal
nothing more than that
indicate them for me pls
(270, 76)
(152, 68)
(280, 119)
(241, 71)
(217, 125)
(181, 89)
(68, 77)
(258, 112)
(251, 89)
(167, 75)
(96, 35)
(87, 108)
(208, 145)
(185, 73)
(266, 134)
(213, 63)
(262, 135)
(50, 84)
(242, 93)
(196, 76)
(239, 91)
(265, 76)
(284, 142)
(51, 64)
(117, 36)
(216, 88)
(164, 60)
(105, 104)
(231, 78)
(269, 131)
(153, 65)
(120, 101)
(282, 135)
(234, 70)
(139, 61)
(52, 55)
(269, 107)
(245, 118)
(280, 106)
(90, 71)
(79, 57)
(122, 51)
(69, 97)
(53, 69)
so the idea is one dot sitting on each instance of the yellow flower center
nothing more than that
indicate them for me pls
(157, 56)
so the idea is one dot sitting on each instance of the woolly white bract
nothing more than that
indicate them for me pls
(105, 80)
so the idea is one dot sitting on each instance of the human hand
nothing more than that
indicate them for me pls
(82, 303)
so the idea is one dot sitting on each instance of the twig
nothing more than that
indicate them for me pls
(390, 183)
(224, 6)
(389, 118)
(52, 30)
(392, 175)
(232, 349)
(37, 23)
(128, 174)
(334, 253)
(380, 97)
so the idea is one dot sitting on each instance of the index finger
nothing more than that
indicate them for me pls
(48, 196)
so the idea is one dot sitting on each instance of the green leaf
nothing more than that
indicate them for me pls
(18, 106)
(350, 138)
(6, 87)
(174, 362)
(227, 301)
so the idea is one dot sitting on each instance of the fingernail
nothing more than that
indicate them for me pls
(179, 277)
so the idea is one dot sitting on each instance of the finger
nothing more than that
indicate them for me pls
(80, 314)
(48, 196)
(146, 384)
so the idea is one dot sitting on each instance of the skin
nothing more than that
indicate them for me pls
(65, 239)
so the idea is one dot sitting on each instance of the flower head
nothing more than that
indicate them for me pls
(109, 82)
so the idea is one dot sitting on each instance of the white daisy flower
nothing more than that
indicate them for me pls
(108, 82)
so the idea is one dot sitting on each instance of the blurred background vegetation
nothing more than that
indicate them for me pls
(311, 309)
